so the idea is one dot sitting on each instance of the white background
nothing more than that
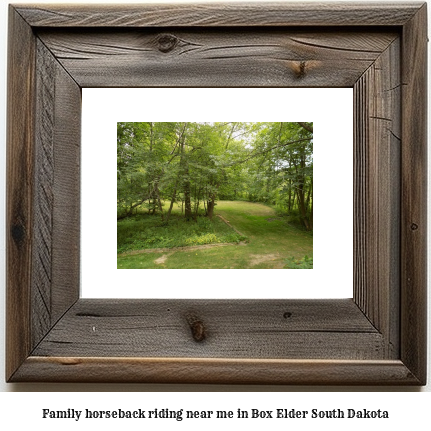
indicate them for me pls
(331, 112)
(408, 409)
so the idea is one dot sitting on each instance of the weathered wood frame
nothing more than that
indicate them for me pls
(378, 337)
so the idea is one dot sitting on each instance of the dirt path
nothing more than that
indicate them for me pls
(232, 227)
(174, 249)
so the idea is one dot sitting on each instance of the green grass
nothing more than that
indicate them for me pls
(149, 232)
(304, 263)
(271, 240)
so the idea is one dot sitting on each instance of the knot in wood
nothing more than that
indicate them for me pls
(197, 328)
(167, 42)
(300, 69)
(18, 233)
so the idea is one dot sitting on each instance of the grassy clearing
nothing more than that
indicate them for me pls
(148, 232)
(271, 240)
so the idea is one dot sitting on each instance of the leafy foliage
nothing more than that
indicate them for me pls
(190, 164)
(304, 263)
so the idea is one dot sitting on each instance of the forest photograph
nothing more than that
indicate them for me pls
(214, 195)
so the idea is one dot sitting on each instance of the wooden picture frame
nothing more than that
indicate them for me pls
(376, 338)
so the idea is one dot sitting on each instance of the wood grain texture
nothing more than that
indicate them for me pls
(377, 101)
(66, 189)
(19, 201)
(55, 268)
(220, 15)
(414, 195)
(205, 57)
(234, 329)
(216, 371)
(43, 194)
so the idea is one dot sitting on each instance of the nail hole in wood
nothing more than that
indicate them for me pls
(287, 314)
(414, 226)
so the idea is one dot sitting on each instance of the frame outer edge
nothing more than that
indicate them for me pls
(414, 196)
(20, 158)
(215, 371)
(212, 14)
(19, 195)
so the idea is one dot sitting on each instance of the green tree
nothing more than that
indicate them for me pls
(196, 163)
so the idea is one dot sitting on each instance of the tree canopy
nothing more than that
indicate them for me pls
(196, 164)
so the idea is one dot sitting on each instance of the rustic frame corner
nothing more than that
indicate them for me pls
(378, 337)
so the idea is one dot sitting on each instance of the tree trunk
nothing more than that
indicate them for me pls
(187, 200)
(309, 195)
(302, 209)
(197, 202)
(168, 214)
(159, 202)
(210, 208)
(289, 199)
(211, 205)
(184, 172)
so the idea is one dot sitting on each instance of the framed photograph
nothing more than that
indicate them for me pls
(251, 168)
(377, 337)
